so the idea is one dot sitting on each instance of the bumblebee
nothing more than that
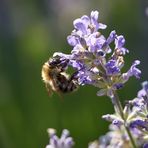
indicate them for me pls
(55, 77)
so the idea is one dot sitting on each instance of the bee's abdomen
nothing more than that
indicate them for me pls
(45, 72)
(65, 85)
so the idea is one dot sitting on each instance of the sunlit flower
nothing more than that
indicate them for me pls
(89, 56)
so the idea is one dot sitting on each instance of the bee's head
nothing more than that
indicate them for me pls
(57, 62)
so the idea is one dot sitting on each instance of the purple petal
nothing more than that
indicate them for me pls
(102, 26)
(145, 85)
(72, 40)
(94, 15)
(141, 93)
(79, 25)
(76, 64)
(135, 71)
(111, 37)
(65, 133)
(69, 142)
(95, 43)
(86, 20)
(144, 91)
(111, 68)
(145, 145)
(94, 20)
(54, 141)
(119, 41)
(139, 123)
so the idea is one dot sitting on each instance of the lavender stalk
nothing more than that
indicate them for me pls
(118, 108)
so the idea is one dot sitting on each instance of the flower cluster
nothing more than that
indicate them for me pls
(139, 121)
(135, 115)
(64, 142)
(115, 138)
(95, 62)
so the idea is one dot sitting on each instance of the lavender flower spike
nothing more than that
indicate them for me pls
(89, 56)
(63, 142)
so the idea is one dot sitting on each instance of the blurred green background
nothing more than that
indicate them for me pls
(30, 32)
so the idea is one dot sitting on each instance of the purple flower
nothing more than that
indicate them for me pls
(63, 142)
(119, 43)
(115, 138)
(72, 40)
(112, 68)
(95, 43)
(138, 102)
(145, 145)
(139, 124)
(109, 40)
(144, 91)
(111, 37)
(86, 76)
(86, 25)
(94, 20)
(137, 115)
(114, 119)
(145, 86)
(81, 25)
(133, 71)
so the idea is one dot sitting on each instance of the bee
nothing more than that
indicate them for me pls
(55, 77)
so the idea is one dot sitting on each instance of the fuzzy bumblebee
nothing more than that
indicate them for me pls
(55, 77)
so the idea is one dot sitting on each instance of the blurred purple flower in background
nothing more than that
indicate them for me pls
(63, 142)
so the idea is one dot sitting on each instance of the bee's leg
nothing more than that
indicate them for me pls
(63, 64)
(72, 82)
(74, 76)
(73, 85)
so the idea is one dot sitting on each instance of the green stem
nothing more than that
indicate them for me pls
(119, 109)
